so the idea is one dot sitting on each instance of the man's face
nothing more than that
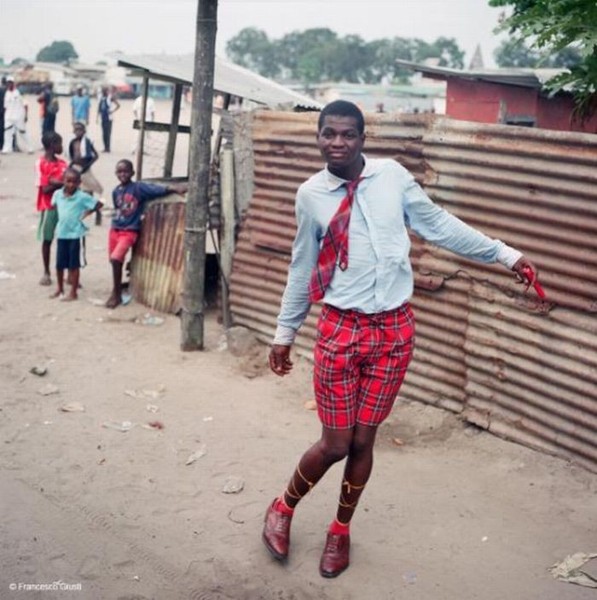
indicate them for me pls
(79, 131)
(71, 183)
(57, 147)
(123, 173)
(340, 142)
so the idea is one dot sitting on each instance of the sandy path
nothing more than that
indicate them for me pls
(452, 515)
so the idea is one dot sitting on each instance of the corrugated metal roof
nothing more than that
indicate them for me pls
(532, 78)
(229, 78)
(522, 369)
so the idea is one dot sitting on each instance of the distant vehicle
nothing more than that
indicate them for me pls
(64, 87)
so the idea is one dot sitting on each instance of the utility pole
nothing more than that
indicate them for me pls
(197, 198)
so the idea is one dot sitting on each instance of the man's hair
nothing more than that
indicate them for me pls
(80, 124)
(342, 108)
(72, 171)
(127, 162)
(49, 138)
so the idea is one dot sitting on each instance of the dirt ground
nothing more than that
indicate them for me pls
(452, 514)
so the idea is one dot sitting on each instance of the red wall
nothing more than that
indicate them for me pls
(485, 102)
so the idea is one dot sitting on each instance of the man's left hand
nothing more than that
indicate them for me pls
(526, 270)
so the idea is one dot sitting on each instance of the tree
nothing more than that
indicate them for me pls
(57, 52)
(446, 49)
(252, 49)
(18, 62)
(318, 54)
(514, 52)
(555, 25)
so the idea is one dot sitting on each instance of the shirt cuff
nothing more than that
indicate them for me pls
(508, 256)
(284, 335)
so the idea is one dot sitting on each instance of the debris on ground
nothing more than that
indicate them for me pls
(123, 426)
(569, 570)
(39, 371)
(48, 390)
(233, 485)
(201, 452)
(72, 407)
(149, 319)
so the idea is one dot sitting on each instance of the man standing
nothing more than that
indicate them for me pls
(15, 119)
(48, 108)
(80, 106)
(149, 117)
(2, 92)
(352, 252)
(106, 107)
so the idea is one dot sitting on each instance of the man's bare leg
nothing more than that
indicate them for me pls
(116, 298)
(60, 283)
(45, 257)
(73, 277)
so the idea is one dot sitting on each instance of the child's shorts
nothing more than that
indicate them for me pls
(120, 242)
(68, 254)
(48, 219)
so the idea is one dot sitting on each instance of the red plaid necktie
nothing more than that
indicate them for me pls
(334, 247)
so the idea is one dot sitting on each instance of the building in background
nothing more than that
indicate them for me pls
(508, 96)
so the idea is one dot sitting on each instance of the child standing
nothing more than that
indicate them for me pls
(129, 199)
(49, 170)
(82, 154)
(72, 206)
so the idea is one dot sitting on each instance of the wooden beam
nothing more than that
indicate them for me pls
(193, 289)
(141, 140)
(226, 230)
(172, 132)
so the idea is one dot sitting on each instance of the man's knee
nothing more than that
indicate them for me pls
(363, 441)
(334, 450)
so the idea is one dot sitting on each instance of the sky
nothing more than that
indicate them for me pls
(97, 28)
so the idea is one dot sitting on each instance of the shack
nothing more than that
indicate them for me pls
(512, 96)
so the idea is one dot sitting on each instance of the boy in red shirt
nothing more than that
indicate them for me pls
(49, 170)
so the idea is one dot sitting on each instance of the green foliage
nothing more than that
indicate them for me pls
(57, 52)
(514, 52)
(18, 62)
(560, 26)
(318, 54)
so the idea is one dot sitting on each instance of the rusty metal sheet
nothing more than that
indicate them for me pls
(157, 266)
(523, 369)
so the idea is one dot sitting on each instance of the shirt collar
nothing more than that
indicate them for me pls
(333, 182)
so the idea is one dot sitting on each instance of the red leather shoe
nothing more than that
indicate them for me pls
(335, 557)
(276, 532)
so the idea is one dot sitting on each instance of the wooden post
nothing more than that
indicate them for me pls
(170, 149)
(141, 138)
(226, 230)
(198, 193)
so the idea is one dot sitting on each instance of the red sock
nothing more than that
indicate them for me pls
(338, 528)
(281, 506)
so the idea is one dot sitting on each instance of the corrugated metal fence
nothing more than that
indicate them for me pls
(523, 369)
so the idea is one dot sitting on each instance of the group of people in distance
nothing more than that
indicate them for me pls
(63, 207)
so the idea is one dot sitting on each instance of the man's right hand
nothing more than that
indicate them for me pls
(279, 359)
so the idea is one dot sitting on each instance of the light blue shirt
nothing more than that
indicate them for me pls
(80, 106)
(379, 276)
(70, 210)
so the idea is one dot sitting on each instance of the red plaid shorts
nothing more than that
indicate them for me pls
(360, 363)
